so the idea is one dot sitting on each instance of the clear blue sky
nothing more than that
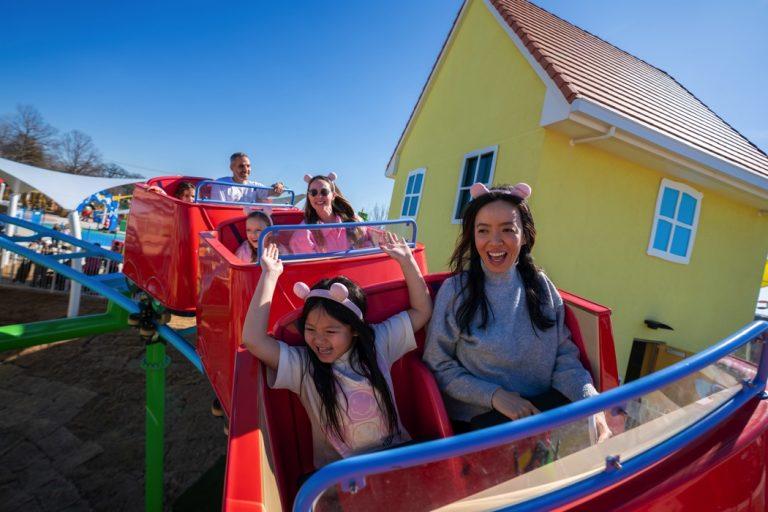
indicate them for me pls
(316, 86)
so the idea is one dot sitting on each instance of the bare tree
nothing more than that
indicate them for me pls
(26, 137)
(112, 170)
(79, 155)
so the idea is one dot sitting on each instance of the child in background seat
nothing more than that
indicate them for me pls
(256, 222)
(342, 375)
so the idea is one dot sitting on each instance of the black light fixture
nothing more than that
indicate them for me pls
(654, 324)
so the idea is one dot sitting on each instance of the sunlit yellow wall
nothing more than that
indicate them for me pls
(593, 209)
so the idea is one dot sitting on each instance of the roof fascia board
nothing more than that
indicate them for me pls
(391, 170)
(739, 177)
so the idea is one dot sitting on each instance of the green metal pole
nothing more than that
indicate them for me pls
(155, 363)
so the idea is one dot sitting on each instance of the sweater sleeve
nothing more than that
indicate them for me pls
(440, 354)
(569, 375)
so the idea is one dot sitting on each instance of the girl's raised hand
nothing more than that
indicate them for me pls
(270, 260)
(394, 246)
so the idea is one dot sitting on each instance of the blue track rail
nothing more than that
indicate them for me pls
(111, 286)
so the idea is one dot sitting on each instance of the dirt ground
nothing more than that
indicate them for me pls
(72, 418)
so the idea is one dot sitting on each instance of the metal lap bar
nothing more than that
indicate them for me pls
(58, 235)
(356, 468)
(225, 184)
(344, 225)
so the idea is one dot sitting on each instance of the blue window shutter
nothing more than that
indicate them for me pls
(680, 241)
(669, 203)
(687, 209)
(663, 231)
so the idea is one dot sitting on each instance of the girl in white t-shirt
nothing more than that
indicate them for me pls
(256, 222)
(342, 374)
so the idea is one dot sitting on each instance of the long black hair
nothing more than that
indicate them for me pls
(466, 263)
(362, 359)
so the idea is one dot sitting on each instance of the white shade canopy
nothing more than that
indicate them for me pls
(68, 190)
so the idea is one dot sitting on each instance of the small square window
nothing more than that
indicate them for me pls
(675, 222)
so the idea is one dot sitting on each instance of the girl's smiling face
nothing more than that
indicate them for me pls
(253, 228)
(498, 235)
(327, 337)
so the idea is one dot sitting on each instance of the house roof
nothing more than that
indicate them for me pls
(68, 190)
(584, 66)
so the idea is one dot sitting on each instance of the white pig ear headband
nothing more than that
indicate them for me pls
(338, 292)
(521, 190)
(331, 177)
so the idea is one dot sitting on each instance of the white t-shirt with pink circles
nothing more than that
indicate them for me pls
(364, 423)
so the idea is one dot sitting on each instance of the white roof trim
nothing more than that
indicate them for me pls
(68, 190)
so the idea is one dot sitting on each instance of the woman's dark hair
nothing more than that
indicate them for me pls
(182, 187)
(340, 206)
(362, 358)
(466, 263)
(266, 219)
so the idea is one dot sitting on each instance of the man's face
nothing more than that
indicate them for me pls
(241, 169)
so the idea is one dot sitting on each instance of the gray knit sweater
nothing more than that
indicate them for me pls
(507, 353)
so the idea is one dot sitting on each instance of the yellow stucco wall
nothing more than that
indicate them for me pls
(593, 209)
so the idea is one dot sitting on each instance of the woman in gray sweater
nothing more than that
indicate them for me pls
(497, 342)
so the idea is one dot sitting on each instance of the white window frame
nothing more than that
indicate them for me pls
(459, 188)
(423, 172)
(681, 188)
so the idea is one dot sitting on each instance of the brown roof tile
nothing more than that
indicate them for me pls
(584, 66)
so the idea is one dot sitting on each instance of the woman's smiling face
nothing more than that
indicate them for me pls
(323, 204)
(498, 235)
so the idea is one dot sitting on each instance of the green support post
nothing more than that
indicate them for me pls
(155, 363)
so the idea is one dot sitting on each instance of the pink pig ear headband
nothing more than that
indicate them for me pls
(338, 292)
(521, 190)
(330, 177)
